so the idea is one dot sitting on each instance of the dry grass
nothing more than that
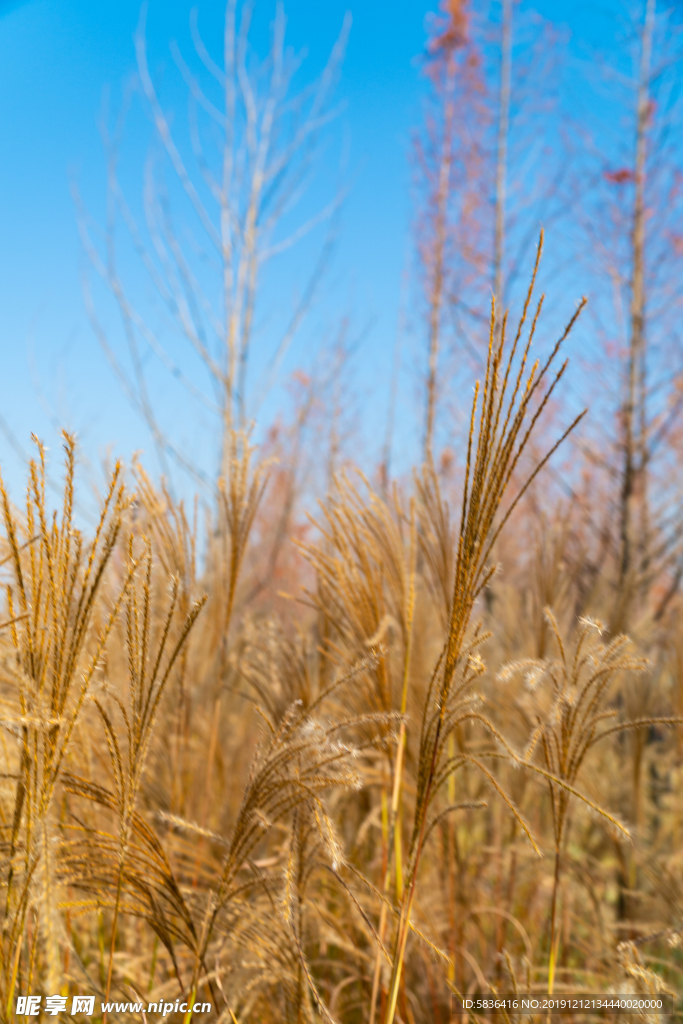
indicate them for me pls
(340, 813)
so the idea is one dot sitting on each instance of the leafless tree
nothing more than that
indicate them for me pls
(485, 186)
(216, 213)
(633, 207)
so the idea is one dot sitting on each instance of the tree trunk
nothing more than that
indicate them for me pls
(439, 260)
(502, 156)
(634, 518)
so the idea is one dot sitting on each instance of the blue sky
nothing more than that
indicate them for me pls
(57, 57)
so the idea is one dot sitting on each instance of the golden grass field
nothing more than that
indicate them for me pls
(409, 776)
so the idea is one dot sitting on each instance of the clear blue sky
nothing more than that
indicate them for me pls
(56, 58)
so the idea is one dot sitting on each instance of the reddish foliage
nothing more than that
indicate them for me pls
(619, 177)
(450, 28)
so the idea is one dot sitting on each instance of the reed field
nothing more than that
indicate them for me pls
(342, 741)
(417, 777)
